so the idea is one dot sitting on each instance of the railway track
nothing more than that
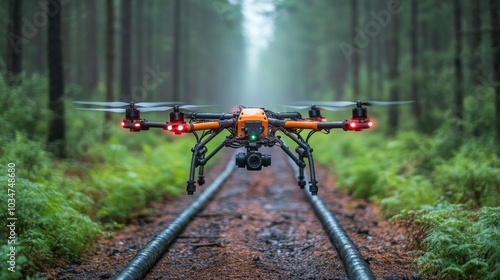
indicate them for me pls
(274, 236)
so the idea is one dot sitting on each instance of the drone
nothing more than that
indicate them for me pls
(249, 127)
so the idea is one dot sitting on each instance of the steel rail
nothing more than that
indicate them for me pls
(355, 265)
(145, 259)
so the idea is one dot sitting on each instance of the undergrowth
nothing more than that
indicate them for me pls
(443, 189)
(63, 205)
(412, 170)
(455, 243)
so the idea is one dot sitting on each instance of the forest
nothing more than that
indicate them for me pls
(432, 166)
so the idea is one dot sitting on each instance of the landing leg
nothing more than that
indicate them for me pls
(201, 170)
(302, 182)
(191, 187)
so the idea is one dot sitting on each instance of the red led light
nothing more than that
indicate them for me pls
(180, 127)
(352, 125)
(137, 124)
(123, 124)
(370, 124)
(169, 127)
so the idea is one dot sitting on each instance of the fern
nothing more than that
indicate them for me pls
(457, 243)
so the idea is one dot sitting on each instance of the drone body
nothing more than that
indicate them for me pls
(249, 128)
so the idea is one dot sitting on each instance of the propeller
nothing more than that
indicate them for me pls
(122, 104)
(147, 109)
(113, 110)
(326, 108)
(349, 103)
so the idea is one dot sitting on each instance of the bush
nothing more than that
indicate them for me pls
(471, 177)
(24, 109)
(412, 170)
(126, 182)
(47, 225)
(30, 156)
(455, 243)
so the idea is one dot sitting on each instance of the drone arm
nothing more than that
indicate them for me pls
(211, 116)
(294, 124)
(210, 125)
(289, 115)
(146, 124)
(313, 125)
(302, 125)
(330, 125)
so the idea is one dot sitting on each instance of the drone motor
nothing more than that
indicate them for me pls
(177, 123)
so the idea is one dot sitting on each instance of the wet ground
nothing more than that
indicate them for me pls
(259, 226)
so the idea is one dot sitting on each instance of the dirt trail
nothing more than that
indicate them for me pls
(260, 226)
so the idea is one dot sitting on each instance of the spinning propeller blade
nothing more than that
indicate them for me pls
(155, 109)
(383, 103)
(113, 110)
(148, 106)
(320, 108)
(153, 104)
(109, 104)
(349, 103)
(193, 107)
(122, 104)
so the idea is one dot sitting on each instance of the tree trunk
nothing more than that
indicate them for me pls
(369, 62)
(91, 46)
(355, 55)
(176, 52)
(475, 43)
(110, 57)
(495, 45)
(139, 43)
(126, 91)
(187, 54)
(14, 44)
(458, 98)
(393, 120)
(414, 65)
(57, 138)
(39, 62)
(80, 59)
(379, 70)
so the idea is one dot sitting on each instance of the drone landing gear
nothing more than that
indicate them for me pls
(199, 160)
(191, 187)
(303, 151)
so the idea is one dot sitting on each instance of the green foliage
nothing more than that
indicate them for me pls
(126, 182)
(410, 174)
(58, 199)
(30, 156)
(471, 176)
(60, 202)
(455, 243)
(24, 108)
(414, 170)
(47, 224)
(20, 260)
